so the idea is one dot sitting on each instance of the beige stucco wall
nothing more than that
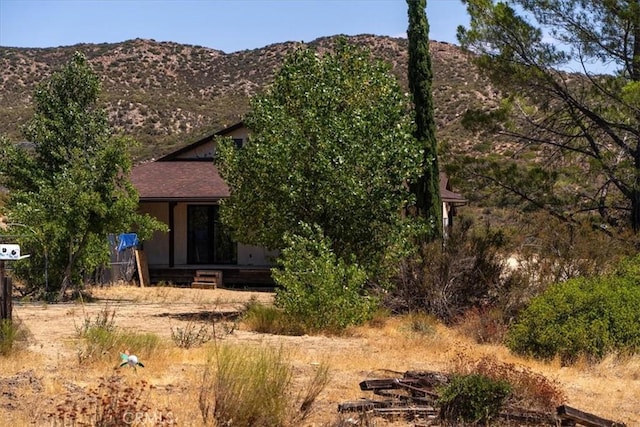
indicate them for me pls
(157, 248)
(207, 150)
(255, 256)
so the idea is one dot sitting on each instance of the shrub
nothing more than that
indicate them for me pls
(103, 320)
(271, 320)
(553, 251)
(247, 386)
(317, 288)
(472, 398)
(12, 333)
(445, 280)
(529, 390)
(111, 403)
(484, 325)
(583, 317)
(193, 334)
(420, 323)
(379, 318)
(101, 344)
(101, 339)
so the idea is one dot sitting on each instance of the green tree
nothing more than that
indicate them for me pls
(582, 125)
(68, 186)
(427, 187)
(331, 146)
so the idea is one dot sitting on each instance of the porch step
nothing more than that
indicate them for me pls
(207, 279)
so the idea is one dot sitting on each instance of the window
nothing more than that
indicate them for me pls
(207, 240)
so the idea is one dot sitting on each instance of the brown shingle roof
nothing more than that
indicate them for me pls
(179, 180)
(446, 195)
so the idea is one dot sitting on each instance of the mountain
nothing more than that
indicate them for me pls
(166, 94)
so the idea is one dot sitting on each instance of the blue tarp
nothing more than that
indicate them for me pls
(127, 240)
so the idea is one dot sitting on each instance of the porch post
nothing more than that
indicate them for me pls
(172, 234)
(5, 295)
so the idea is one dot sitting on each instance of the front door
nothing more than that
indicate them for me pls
(207, 240)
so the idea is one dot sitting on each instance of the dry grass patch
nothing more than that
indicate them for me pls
(254, 386)
(173, 295)
(41, 375)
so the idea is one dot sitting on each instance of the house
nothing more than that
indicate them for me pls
(450, 201)
(183, 189)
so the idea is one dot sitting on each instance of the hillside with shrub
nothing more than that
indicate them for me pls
(167, 94)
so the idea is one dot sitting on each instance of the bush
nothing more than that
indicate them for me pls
(271, 320)
(528, 389)
(193, 334)
(483, 325)
(552, 250)
(101, 339)
(472, 398)
(446, 280)
(583, 317)
(317, 288)
(12, 333)
(103, 320)
(246, 387)
(421, 324)
(101, 344)
(112, 403)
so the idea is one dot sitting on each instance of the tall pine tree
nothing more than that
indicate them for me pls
(427, 187)
(569, 78)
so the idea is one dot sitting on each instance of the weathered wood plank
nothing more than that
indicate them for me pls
(528, 417)
(387, 383)
(584, 418)
(378, 384)
(420, 400)
(143, 268)
(406, 410)
(202, 285)
(207, 279)
(363, 405)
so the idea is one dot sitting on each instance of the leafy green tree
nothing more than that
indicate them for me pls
(582, 125)
(331, 146)
(68, 186)
(427, 187)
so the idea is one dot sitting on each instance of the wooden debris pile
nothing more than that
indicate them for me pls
(414, 397)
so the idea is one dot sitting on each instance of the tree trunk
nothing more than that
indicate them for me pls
(634, 73)
(635, 211)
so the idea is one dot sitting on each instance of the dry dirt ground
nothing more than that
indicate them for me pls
(37, 380)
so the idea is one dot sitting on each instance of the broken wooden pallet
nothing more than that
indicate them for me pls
(415, 395)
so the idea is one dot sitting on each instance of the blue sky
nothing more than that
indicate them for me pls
(227, 25)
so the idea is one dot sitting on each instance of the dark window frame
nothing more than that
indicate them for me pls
(207, 240)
